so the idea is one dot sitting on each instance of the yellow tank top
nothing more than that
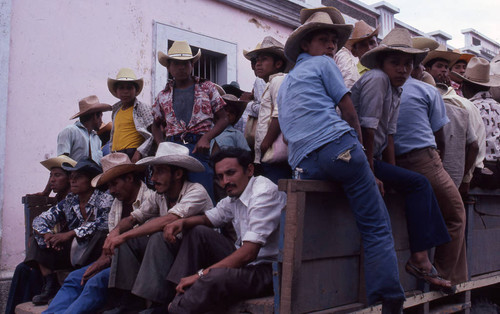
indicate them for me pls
(124, 133)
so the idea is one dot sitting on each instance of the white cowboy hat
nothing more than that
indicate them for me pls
(399, 40)
(57, 162)
(180, 50)
(89, 105)
(174, 154)
(125, 75)
(328, 18)
(477, 72)
(114, 165)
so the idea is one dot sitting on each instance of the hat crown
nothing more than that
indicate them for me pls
(326, 15)
(270, 42)
(114, 159)
(180, 48)
(170, 148)
(362, 29)
(398, 37)
(421, 42)
(126, 74)
(88, 102)
(478, 70)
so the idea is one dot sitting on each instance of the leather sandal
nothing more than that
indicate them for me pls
(428, 276)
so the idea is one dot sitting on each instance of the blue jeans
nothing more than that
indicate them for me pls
(330, 162)
(426, 226)
(74, 298)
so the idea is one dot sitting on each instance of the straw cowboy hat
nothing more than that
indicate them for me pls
(89, 105)
(114, 165)
(56, 162)
(125, 75)
(173, 154)
(85, 165)
(398, 40)
(442, 53)
(180, 50)
(478, 72)
(327, 18)
(234, 102)
(269, 45)
(360, 32)
(421, 42)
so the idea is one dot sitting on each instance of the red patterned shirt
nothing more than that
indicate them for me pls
(207, 101)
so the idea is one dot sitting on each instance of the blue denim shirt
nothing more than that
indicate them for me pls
(421, 113)
(307, 99)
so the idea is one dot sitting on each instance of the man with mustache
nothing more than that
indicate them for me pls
(141, 257)
(211, 270)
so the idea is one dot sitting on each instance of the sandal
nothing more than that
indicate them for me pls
(428, 276)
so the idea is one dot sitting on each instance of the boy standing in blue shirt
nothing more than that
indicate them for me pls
(327, 147)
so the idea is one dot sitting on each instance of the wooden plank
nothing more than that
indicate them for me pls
(450, 308)
(480, 244)
(309, 186)
(348, 308)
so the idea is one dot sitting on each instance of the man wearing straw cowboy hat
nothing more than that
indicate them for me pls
(331, 150)
(363, 39)
(438, 63)
(459, 66)
(186, 110)
(476, 84)
(132, 119)
(85, 289)
(79, 140)
(142, 258)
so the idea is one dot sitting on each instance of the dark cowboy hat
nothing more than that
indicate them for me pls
(85, 165)
(233, 88)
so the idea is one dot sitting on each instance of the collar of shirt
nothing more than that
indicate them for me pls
(481, 96)
(140, 196)
(271, 77)
(247, 193)
(181, 194)
(171, 83)
(81, 126)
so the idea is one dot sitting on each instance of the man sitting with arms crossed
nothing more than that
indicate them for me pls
(143, 258)
(210, 269)
(85, 290)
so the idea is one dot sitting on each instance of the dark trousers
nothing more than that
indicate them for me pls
(426, 226)
(487, 181)
(201, 247)
(26, 283)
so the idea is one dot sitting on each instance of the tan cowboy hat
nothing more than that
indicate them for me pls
(268, 45)
(174, 154)
(105, 127)
(114, 165)
(360, 32)
(421, 42)
(56, 162)
(327, 18)
(89, 105)
(442, 53)
(477, 72)
(125, 75)
(239, 105)
(180, 50)
(398, 40)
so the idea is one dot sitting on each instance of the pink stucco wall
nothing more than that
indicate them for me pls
(62, 51)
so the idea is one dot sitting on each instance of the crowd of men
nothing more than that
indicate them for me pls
(182, 212)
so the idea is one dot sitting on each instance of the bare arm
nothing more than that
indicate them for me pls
(272, 134)
(203, 144)
(349, 115)
(440, 142)
(172, 229)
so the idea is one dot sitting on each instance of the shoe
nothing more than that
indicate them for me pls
(430, 277)
(49, 290)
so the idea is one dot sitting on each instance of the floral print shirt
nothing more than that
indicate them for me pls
(207, 101)
(490, 112)
(67, 212)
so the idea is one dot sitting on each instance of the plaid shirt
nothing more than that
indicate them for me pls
(68, 213)
(207, 102)
(490, 112)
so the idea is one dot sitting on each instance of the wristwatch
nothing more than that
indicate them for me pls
(200, 273)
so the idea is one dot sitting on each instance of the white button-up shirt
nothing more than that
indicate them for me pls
(255, 216)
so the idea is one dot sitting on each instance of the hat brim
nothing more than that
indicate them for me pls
(112, 82)
(230, 89)
(351, 41)
(187, 162)
(56, 162)
(93, 170)
(292, 45)
(114, 172)
(493, 82)
(163, 58)
(370, 58)
(271, 50)
(450, 56)
(98, 108)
